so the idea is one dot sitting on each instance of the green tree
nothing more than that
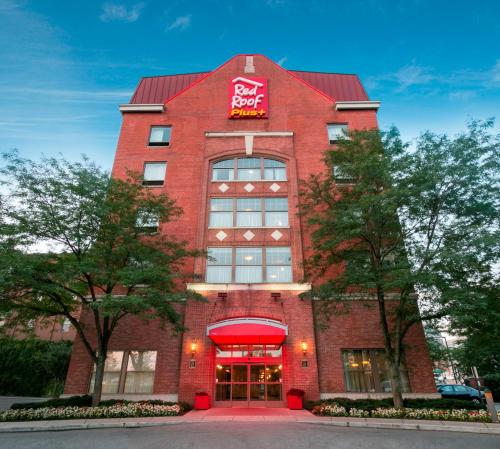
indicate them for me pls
(391, 224)
(74, 239)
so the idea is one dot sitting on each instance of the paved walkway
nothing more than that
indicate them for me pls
(249, 415)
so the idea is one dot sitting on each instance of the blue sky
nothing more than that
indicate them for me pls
(66, 65)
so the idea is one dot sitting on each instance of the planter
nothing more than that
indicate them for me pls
(201, 402)
(294, 402)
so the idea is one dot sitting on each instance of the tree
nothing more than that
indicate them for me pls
(73, 238)
(390, 223)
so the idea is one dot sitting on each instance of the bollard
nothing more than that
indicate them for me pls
(490, 404)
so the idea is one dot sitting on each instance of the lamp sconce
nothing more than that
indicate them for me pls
(275, 295)
(193, 349)
(222, 296)
(303, 345)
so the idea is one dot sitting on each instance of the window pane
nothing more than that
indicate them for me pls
(112, 369)
(154, 171)
(384, 374)
(222, 174)
(223, 373)
(160, 134)
(275, 174)
(248, 275)
(220, 256)
(139, 382)
(279, 204)
(248, 204)
(271, 163)
(357, 371)
(279, 274)
(249, 169)
(221, 220)
(336, 131)
(140, 372)
(147, 220)
(278, 256)
(218, 275)
(249, 219)
(141, 361)
(221, 204)
(249, 162)
(248, 256)
(227, 163)
(277, 219)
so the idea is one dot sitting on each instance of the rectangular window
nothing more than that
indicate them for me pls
(160, 136)
(248, 212)
(276, 212)
(154, 173)
(250, 265)
(127, 372)
(368, 370)
(219, 265)
(274, 170)
(140, 374)
(336, 131)
(147, 221)
(221, 213)
(341, 177)
(248, 169)
(223, 170)
(279, 264)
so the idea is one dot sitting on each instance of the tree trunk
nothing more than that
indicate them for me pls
(99, 376)
(397, 395)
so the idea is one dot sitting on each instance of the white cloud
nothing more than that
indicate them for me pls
(282, 60)
(120, 13)
(180, 23)
(411, 75)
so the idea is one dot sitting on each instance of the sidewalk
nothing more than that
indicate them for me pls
(249, 415)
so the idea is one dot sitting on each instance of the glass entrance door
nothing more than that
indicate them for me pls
(248, 384)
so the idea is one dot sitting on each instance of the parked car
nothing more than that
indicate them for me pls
(460, 392)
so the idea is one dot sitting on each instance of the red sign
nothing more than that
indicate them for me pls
(248, 98)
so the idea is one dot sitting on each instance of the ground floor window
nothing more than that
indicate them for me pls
(368, 370)
(128, 372)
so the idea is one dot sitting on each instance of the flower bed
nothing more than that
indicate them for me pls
(332, 409)
(119, 410)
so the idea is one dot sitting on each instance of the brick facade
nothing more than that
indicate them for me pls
(301, 111)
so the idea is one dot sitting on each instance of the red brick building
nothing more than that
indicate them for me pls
(230, 146)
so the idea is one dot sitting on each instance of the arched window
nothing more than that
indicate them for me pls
(249, 169)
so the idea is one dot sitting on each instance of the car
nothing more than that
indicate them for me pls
(449, 391)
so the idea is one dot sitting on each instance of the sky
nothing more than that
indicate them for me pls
(65, 66)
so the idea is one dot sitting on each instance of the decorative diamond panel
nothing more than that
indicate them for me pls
(274, 187)
(276, 235)
(223, 187)
(249, 235)
(221, 235)
(249, 187)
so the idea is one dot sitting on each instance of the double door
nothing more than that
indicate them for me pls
(248, 385)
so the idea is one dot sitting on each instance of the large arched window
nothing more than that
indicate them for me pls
(249, 169)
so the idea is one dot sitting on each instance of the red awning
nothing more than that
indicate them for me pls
(247, 331)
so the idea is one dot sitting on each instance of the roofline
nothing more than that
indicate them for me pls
(176, 74)
(326, 73)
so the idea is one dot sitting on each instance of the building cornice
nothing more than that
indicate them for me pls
(204, 287)
(346, 105)
(142, 107)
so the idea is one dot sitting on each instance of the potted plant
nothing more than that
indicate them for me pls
(294, 398)
(201, 401)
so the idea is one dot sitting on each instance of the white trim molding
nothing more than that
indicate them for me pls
(204, 287)
(344, 105)
(132, 107)
(250, 133)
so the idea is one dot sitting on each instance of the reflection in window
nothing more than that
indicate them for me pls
(140, 372)
(248, 265)
(248, 213)
(249, 169)
(219, 265)
(279, 264)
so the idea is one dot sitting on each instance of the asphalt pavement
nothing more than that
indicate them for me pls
(243, 435)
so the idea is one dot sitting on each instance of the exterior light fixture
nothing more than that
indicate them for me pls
(303, 345)
(222, 295)
(193, 349)
(276, 295)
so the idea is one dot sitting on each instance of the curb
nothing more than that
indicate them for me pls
(485, 428)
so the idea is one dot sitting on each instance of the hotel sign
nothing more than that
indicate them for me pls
(248, 98)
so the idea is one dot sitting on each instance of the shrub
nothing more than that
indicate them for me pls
(73, 401)
(492, 381)
(32, 367)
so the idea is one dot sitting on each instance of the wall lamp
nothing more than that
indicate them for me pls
(276, 295)
(193, 349)
(303, 345)
(222, 296)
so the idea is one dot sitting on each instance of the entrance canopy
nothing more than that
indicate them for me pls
(250, 331)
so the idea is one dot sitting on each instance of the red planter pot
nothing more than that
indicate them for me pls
(294, 402)
(201, 402)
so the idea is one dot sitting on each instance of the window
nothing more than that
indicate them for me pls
(249, 212)
(249, 265)
(223, 170)
(147, 221)
(279, 264)
(368, 370)
(341, 177)
(336, 131)
(249, 169)
(140, 372)
(136, 375)
(160, 136)
(154, 173)
(219, 265)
